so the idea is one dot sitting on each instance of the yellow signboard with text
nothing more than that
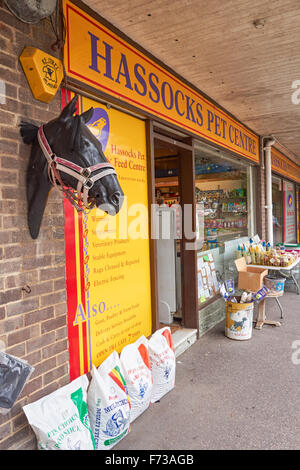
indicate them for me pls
(284, 166)
(99, 58)
(107, 257)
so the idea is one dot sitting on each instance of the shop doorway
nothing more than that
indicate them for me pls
(176, 265)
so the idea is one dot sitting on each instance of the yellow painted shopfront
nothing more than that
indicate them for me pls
(174, 150)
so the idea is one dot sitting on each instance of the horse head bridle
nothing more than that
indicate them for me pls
(84, 175)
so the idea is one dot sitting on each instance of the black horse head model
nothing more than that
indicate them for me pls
(66, 155)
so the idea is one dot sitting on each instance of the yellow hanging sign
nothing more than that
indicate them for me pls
(284, 166)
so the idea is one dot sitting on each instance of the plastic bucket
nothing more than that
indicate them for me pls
(274, 284)
(238, 320)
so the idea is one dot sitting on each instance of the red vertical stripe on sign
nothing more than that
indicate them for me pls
(71, 282)
(82, 282)
(66, 98)
(71, 270)
(63, 98)
(82, 279)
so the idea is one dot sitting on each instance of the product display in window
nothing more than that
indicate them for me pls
(208, 285)
(225, 215)
(223, 195)
(223, 185)
(166, 196)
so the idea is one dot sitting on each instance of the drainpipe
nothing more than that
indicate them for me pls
(268, 142)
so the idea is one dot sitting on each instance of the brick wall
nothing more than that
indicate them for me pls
(32, 325)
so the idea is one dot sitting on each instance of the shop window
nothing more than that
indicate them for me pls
(224, 217)
(223, 195)
(225, 211)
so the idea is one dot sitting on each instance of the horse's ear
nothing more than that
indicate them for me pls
(70, 109)
(87, 115)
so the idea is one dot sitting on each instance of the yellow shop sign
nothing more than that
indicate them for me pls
(99, 58)
(284, 166)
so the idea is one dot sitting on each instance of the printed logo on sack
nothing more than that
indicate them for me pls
(73, 447)
(290, 201)
(167, 372)
(115, 424)
(99, 126)
(143, 388)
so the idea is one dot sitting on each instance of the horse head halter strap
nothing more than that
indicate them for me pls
(83, 175)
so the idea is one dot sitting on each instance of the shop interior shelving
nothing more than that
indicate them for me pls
(171, 182)
(224, 233)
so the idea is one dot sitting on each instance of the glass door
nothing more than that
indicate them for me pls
(277, 198)
(289, 212)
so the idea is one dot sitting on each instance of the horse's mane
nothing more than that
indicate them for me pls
(28, 131)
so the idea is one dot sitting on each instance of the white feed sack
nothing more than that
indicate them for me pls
(108, 403)
(60, 420)
(137, 373)
(163, 364)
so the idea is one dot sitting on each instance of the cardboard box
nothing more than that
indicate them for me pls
(250, 278)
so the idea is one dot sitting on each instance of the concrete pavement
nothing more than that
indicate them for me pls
(231, 394)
